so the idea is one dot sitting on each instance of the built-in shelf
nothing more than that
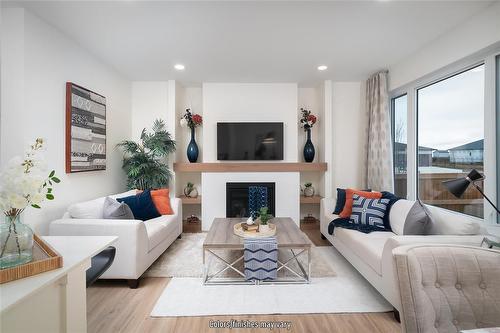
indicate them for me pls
(249, 167)
(190, 201)
(310, 200)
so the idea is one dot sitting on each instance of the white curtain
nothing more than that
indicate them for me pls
(379, 175)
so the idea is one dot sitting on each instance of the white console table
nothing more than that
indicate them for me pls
(53, 301)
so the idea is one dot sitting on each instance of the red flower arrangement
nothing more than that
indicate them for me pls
(307, 120)
(191, 120)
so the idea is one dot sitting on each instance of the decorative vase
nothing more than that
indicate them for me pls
(191, 192)
(309, 191)
(309, 148)
(192, 148)
(16, 242)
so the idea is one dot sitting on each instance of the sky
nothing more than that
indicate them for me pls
(451, 112)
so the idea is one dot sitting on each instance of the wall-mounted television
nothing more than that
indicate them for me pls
(249, 141)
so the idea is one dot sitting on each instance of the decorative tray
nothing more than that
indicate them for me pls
(238, 230)
(45, 258)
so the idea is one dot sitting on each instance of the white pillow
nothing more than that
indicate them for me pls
(408, 217)
(92, 209)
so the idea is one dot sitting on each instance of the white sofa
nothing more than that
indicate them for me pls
(139, 243)
(371, 254)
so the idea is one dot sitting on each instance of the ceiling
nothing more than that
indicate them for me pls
(241, 41)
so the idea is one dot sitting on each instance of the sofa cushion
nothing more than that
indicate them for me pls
(115, 210)
(92, 209)
(340, 203)
(157, 232)
(158, 229)
(408, 217)
(142, 205)
(446, 222)
(368, 247)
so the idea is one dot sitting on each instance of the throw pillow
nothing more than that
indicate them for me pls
(409, 217)
(161, 199)
(392, 199)
(339, 206)
(116, 210)
(368, 212)
(346, 212)
(142, 205)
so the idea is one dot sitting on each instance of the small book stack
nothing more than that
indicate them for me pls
(249, 227)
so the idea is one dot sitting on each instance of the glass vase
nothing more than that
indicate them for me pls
(16, 242)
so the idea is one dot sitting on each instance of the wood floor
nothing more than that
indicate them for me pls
(113, 307)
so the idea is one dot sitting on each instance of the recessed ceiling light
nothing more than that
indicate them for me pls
(179, 67)
(322, 68)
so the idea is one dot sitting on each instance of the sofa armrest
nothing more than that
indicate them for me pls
(326, 207)
(131, 246)
(176, 204)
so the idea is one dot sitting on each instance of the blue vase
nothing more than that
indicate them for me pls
(192, 149)
(309, 148)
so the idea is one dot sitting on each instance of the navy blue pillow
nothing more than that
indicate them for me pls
(339, 206)
(142, 205)
(392, 199)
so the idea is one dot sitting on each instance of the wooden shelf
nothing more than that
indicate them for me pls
(249, 167)
(190, 201)
(310, 200)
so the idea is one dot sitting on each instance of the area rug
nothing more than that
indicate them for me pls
(184, 258)
(347, 292)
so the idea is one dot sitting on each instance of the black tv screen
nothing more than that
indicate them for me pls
(249, 141)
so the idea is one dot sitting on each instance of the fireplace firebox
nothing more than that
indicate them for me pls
(237, 198)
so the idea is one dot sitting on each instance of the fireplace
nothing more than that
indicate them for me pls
(237, 198)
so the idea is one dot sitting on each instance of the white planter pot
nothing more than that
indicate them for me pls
(264, 228)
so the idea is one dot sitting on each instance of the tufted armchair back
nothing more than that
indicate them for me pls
(448, 288)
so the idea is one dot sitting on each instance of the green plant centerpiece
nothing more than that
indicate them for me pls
(144, 162)
(264, 218)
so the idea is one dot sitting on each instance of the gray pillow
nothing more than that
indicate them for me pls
(116, 210)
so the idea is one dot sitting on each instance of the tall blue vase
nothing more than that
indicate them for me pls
(192, 149)
(309, 148)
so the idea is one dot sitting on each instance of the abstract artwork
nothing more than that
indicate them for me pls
(85, 129)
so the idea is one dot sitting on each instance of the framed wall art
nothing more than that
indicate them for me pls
(85, 129)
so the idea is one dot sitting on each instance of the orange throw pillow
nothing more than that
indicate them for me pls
(346, 212)
(161, 199)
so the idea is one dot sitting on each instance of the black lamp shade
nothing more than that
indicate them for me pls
(458, 186)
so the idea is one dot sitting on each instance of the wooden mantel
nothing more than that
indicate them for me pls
(249, 167)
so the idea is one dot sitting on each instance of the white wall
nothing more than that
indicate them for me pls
(214, 193)
(349, 134)
(242, 102)
(480, 31)
(33, 105)
(149, 102)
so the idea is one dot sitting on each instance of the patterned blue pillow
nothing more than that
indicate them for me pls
(368, 211)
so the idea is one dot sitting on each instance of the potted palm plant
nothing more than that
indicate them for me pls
(144, 161)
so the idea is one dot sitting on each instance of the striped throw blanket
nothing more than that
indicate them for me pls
(261, 258)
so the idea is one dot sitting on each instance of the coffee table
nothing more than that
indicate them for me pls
(288, 235)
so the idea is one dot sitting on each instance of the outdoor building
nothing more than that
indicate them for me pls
(468, 153)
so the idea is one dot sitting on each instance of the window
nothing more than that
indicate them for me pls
(450, 138)
(498, 129)
(400, 135)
